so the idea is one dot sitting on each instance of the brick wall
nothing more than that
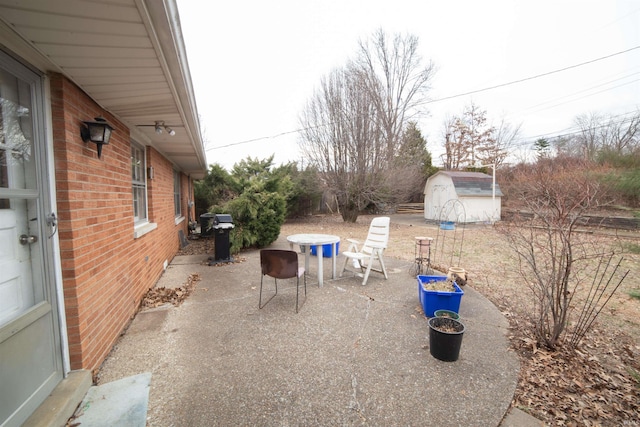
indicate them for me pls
(106, 271)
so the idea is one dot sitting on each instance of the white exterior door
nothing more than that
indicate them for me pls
(30, 350)
(16, 296)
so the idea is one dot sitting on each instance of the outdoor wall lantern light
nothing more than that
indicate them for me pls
(98, 132)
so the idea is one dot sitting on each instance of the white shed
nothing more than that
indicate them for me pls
(474, 190)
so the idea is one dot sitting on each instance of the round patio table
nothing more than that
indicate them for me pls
(309, 239)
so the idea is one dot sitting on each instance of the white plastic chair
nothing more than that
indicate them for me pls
(363, 255)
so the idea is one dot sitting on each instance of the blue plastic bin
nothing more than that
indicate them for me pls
(326, 250)
(438, 300)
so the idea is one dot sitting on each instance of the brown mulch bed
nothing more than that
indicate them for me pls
(597, 384)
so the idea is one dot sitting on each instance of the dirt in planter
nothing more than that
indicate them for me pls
(446, 325)
(441, 285)
(446, 328)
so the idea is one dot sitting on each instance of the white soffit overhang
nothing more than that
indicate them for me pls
(128, 55)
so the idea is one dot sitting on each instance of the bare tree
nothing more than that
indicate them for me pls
(588, 142)
(454, 148)
(599, 133)
(395, 79)
(624, 135)
(353, 124)
(506, 136)
(469, 139)
(338, 123)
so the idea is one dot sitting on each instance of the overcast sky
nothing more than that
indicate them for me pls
(255, 63)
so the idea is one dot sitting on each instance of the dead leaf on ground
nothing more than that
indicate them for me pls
(155, 297)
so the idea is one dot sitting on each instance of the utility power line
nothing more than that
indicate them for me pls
(537, 76)
(574, 130)
(573, 97)
(257, 139)
(448, 97)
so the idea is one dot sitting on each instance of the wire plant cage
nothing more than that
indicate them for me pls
(447, 248)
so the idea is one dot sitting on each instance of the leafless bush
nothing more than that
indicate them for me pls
(554, 258)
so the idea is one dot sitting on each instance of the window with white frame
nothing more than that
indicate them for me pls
(139, 183)
(176, 193)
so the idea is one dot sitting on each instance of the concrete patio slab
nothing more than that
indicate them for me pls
(354, 355)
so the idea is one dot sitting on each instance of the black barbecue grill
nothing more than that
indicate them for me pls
(221, 227)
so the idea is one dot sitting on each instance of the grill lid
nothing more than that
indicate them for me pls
(222, 218)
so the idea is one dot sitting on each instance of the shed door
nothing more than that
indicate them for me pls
(438, 198)
(30, 353)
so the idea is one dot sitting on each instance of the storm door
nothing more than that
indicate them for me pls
(30, 353)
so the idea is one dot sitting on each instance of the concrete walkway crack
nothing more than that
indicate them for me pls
(355, 403)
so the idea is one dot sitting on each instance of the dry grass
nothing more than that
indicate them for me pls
(486, 257)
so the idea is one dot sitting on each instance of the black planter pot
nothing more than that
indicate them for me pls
(445, 346)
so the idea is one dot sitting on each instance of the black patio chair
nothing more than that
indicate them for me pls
(281, 264)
